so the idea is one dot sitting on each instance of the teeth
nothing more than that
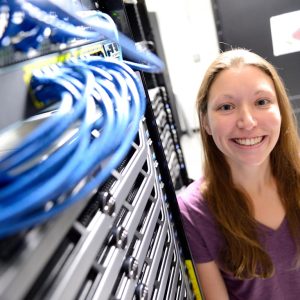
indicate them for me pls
(249, 142)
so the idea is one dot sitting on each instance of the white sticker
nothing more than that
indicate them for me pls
(285, 31)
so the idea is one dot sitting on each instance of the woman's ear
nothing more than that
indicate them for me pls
(205, 124)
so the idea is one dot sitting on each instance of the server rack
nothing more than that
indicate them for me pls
(118, 244)
(124, 241)
(160, 91)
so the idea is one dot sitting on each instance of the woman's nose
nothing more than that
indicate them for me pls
(246, 119)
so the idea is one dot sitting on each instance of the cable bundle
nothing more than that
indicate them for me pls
(101, 104)
(26, 23)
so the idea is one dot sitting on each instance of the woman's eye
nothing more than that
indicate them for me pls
(225, 107)
(262, 102)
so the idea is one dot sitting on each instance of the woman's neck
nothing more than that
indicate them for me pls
(260, 185)
(253, 179)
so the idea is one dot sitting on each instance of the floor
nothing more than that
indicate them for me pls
(192, 151)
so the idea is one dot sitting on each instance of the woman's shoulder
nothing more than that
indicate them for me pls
(191, 200)
(192, 190)
(199, 224)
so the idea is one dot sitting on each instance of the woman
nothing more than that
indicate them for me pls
(242, 219)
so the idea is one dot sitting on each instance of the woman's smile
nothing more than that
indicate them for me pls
(249, 141)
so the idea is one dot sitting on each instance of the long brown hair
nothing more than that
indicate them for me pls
(243, 255)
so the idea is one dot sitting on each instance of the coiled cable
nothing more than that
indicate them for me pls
(114, 102)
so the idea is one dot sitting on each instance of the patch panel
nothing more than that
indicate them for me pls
(17, 105)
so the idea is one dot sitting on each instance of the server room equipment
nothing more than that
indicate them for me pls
(160, 92)
(88, 207)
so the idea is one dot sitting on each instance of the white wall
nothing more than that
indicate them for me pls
(189, 40)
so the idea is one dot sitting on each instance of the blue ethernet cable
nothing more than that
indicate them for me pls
(137, 110)
(120, 127)
(20, 223)
(96, 15)
(119, 119)
(36, 23)
(18, 30)
(23, 178)
(12, 184)
(35, 197)
(57, 82)
(33, 144)
(137, 107)
(37, 10)
(47, 165)
(34, 213)
(16, 209)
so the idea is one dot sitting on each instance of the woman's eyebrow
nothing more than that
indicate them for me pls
(227, 96)
(264, 91)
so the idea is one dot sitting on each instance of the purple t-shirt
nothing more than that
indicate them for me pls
(205, 242)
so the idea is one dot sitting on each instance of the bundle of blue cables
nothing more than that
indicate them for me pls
(101, 104)
(28, 23)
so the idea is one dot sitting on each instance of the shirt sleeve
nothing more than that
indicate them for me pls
(199, 226)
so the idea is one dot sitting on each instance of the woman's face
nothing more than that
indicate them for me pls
(243, 115)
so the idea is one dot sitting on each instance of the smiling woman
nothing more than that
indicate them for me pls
(243, 116)
(242, 219)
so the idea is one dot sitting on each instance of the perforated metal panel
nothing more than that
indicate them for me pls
(167, 131)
